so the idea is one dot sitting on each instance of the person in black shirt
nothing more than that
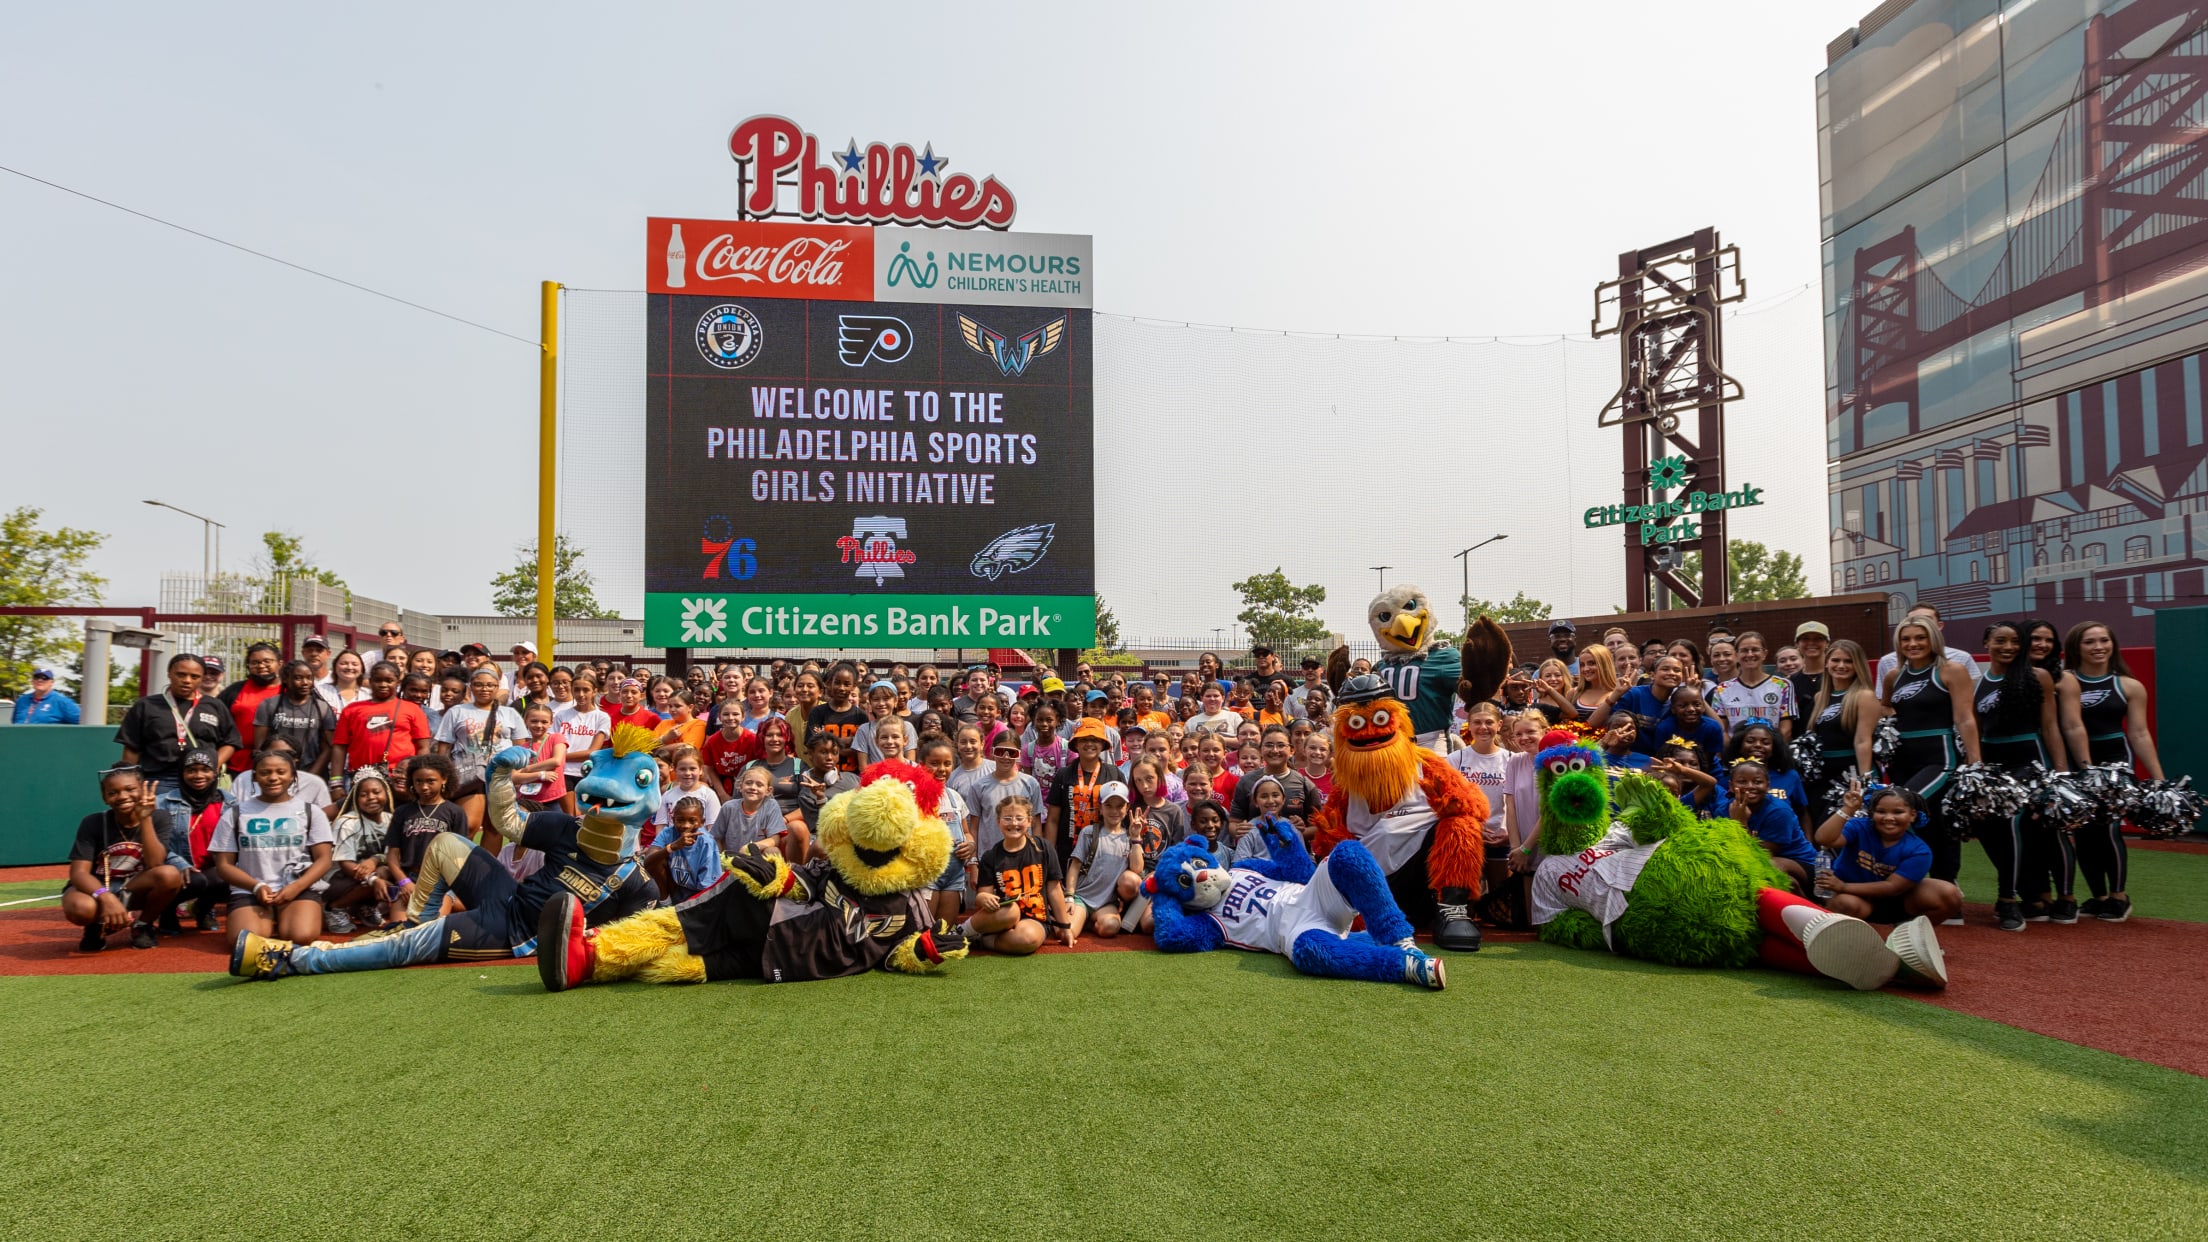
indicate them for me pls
(159, 728)
(117, 865)
(430, 779)
(298, 716)
(1022, 889)
(839, 716)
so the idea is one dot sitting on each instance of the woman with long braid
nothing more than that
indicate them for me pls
(2015, 707)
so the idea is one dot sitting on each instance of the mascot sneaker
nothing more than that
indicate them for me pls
(1850, 950)
(1454, 929)
(1426, 972)
(256, 956)
(1918, 947)
(565, 951)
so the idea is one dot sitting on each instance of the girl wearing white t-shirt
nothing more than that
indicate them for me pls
(272, 846)
(1485, 763)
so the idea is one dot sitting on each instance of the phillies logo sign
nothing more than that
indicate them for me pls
(876, 184)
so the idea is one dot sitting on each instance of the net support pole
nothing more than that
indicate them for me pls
(548, 432)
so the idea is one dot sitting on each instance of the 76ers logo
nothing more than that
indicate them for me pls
(729, 336)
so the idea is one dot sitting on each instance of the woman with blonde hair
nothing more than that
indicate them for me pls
(1930, 697)
(1557, 688)
(1598, 682)
(1843, 717)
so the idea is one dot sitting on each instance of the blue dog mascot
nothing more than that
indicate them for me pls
(1283, 904)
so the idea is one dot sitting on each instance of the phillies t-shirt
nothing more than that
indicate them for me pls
(1488, 772)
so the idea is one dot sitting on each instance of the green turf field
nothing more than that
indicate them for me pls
(1547, 1094)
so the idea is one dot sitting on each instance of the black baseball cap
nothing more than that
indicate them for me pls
(1313, 662)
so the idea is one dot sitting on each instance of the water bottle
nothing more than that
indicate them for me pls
(677, 258)
(1824, 864)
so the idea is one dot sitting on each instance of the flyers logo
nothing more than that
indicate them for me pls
(861, 339)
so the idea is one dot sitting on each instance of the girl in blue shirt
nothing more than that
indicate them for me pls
(1757, 739)
(1771, 821)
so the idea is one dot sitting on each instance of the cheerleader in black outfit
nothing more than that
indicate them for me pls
(2104, 718)
(2015, 707)
(1930, 697)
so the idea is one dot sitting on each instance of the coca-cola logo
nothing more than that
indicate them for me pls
(876, 184)
(798, 261)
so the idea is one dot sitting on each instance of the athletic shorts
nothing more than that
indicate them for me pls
(468, 789)
(247, 901)
(1888, 910)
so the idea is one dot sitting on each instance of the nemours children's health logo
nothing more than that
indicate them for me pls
(729, 336)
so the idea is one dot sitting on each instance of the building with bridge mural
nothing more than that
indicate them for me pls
(2015, 200)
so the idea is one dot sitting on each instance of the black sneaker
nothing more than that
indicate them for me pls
(2091, 907)
(93, 940)
(203, 914)
(2064, 910)
(171, 925)
(2036, 911)
(141, 935)
(1454, 929)
(2010, 915)
(2113, 909)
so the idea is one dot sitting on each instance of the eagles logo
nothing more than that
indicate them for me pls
(1012, 357)
(1014, 551)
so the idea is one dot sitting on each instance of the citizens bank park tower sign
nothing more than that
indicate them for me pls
(868, 410)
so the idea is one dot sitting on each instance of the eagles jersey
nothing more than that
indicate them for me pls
(1426, 683)
(821, 929)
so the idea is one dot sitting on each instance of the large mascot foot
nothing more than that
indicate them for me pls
(564, 950)
(1454, 929)
(1427, 972)
(255, 956)
(1848, 949)
(1918, 947)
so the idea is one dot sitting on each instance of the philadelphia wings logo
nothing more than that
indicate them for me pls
(1014, 551)
(1012, 357)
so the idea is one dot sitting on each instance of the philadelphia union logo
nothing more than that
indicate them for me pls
(729, 336)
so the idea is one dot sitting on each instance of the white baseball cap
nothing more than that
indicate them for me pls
(1111, 790)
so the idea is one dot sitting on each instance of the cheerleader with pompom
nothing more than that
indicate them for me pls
(2103, 709)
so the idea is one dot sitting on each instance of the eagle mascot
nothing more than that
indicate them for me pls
(1417, 815)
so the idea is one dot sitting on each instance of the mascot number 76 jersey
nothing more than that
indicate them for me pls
(1427, 683)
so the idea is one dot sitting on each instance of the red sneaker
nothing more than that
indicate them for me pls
(565, 949)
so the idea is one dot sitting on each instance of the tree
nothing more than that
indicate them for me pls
(1760, 573)
(1754, 572)
(1521, 607)
(284, 557)
(41, 568)
(1110, 648)
(574, 593)
(1280, 614)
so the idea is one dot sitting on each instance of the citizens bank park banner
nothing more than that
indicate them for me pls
(867, 437)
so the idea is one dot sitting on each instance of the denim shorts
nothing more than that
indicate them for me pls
(953, 879)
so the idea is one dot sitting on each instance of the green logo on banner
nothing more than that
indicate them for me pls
(685, 619)
(1659, 519)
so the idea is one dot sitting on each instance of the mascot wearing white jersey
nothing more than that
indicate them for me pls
(1287, 905)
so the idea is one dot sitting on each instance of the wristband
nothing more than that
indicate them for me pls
(405, 883)
(100, 892)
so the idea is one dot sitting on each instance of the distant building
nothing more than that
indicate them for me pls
(2016, 308)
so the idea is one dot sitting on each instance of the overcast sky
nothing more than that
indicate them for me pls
(1420, 170)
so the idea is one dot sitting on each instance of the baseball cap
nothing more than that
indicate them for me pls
(201, 758)
(525, 645)
(1312, 662)
(1564, 625)
(42, 674)
(1052, 685)
(468, 649)
(316, 640)
(212, 664)
(1093, 696)
(1110, 790)
(1812, 627)
(1260, 651)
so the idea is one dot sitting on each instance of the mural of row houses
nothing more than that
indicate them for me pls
(2016, 293)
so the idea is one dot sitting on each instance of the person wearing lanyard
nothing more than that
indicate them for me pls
(160, 728)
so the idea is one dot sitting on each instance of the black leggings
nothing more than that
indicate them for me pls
(2101, 850)
(1924, 763)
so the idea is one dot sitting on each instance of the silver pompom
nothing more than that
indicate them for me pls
(2111, 787)
(2165, 808)
(2057, 802)
(1836, 794)
(1809, 759)
(1885, 744)
(1981, 791)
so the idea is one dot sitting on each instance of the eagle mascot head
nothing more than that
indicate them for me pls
(1402, 620)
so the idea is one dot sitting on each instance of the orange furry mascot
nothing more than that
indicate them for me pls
(1417, 814)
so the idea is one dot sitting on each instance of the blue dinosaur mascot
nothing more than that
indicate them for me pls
(1286, 905)
(593, 858)
(1659, 884)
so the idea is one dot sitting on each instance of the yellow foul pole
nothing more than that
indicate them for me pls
(548, 370)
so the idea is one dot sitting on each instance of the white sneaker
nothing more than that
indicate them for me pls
(1850, 950)
(1918, 947)
(337, 923)
(1425, 971)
